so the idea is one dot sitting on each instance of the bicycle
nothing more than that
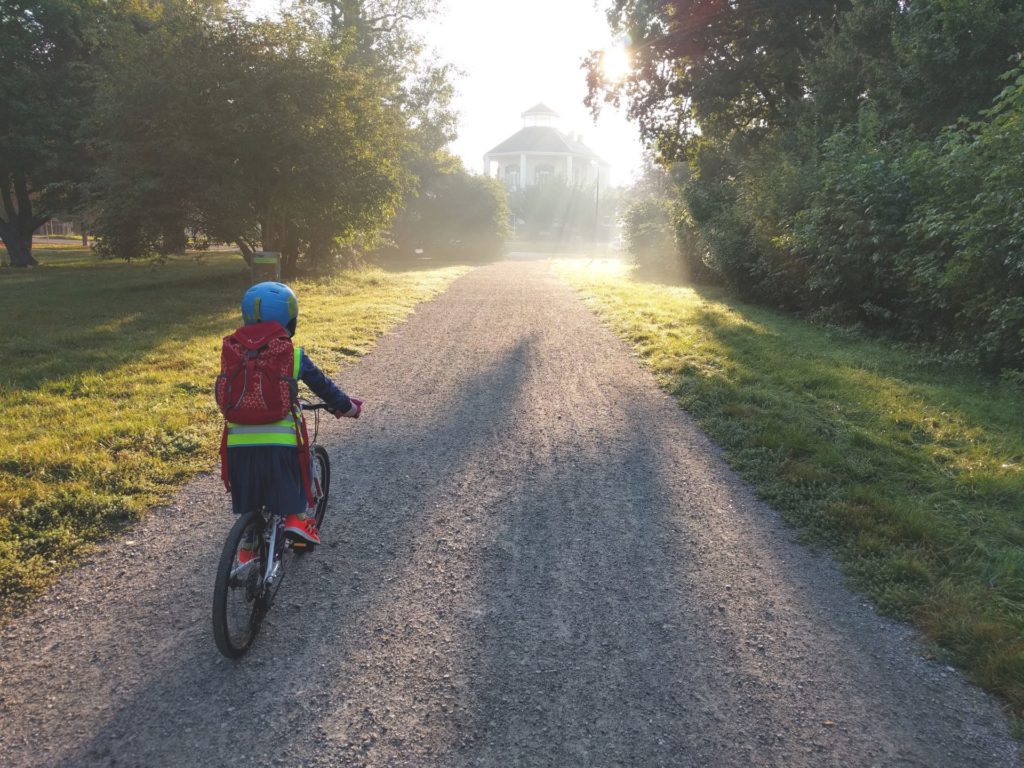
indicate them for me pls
(244, 592)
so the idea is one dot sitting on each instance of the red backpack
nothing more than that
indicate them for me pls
(258, 385)
(257, 382)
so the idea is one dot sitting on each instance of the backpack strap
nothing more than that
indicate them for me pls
(304, 458)
(225, 474)
(302, 436)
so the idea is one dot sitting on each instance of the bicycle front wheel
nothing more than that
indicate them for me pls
(238, 603)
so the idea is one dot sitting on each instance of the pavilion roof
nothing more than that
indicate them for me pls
(543, 138)
(540, 109)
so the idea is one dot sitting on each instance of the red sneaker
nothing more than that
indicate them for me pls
(302, 529)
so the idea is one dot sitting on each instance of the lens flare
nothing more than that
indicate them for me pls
(615, 63)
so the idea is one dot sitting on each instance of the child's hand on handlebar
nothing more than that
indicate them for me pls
(353, 412)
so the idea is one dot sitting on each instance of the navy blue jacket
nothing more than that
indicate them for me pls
(322, 386)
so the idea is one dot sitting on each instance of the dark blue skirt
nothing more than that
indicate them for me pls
(266, 475)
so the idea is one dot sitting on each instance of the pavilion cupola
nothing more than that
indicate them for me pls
(539, 115)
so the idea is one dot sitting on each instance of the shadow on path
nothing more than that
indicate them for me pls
(320, 606)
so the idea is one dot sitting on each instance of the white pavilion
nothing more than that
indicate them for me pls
(539, 151)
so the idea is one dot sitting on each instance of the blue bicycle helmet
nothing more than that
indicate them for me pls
(271, 301)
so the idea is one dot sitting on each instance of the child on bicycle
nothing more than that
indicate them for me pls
(263, 461)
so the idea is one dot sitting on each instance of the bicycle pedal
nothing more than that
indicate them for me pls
(300, 545)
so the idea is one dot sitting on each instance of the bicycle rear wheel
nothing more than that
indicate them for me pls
(238, 604)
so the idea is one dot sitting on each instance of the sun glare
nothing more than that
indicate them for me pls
(615, 63)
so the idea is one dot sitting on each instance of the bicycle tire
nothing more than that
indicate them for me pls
(323, 461)
(320, 466)
(231, 644)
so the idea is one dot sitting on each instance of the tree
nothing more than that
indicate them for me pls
(837, 164)
(716, 68)
(300, 135)
(377, 35)
(45, 50)
(255, 133)
(920, 65)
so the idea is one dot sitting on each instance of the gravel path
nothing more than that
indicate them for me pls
(534, 559)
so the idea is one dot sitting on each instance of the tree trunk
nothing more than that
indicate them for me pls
(279, 237)
(246, 250)
(290, 251)
(16, 221)
(19, 251)
(173, 241)
(318, 253)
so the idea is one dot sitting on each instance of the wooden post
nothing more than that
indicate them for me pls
(266, 266)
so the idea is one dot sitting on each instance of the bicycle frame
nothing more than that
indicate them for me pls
(255, 589)
(274, 523)
(274, 533)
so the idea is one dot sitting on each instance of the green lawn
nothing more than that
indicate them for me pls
(912, 474)
(106, 393)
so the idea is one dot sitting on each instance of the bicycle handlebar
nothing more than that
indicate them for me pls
(313, 406)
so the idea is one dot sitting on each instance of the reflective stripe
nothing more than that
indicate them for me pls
(260, 429)
(237, 441)
(298, 362)
(289, 422)
(279, 433)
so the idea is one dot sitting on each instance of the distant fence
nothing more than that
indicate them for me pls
(60, 228)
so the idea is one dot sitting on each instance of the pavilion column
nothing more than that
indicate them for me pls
(522, 171)
(568, 170)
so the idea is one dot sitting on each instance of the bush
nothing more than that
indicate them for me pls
(650, 237)
(851, 235)
(124, 237)
(454, 214)
(920, 239)
(964, 239)
(713, 207)
(774, 186)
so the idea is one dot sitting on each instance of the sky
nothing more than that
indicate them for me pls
(514, 54)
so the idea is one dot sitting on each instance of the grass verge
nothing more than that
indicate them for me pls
(913, 475)
(105, 398)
